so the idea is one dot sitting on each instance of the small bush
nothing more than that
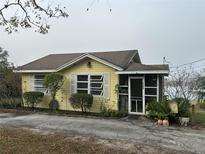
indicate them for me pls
(158, 110)
(33, 98)
(81, 101)
(10, 103)
(183, 108)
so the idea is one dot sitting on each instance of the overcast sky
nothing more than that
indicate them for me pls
(157, 28)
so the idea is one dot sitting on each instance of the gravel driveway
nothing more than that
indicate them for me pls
(143, 132)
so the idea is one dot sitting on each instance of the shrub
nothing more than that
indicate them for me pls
(183, 107)
(53, 82)
(81, 101)
(10, 103)
(33, 98)
(158, 109)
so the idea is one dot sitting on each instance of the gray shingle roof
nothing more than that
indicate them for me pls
(143, 67)
(53, 61)
(128, 60)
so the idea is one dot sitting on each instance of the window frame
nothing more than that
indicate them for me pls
(153, 87)
(89, 82)
(39, 86)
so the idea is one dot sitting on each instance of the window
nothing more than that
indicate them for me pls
(96, 85)
(82, 84)
(38, 83)
(90, 84)
(151, 88)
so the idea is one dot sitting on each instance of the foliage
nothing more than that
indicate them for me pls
(11, 103)
(10, 82)
(28, 13)
(201, 86)
(158, 109)
(112, 113)
(106, 111)
(33, 98)
(202, 105)
(81, 101)
(4, 64)
(53, 82)
(183, 107)
(161, 110)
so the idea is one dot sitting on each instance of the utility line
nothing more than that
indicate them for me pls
(196, 61)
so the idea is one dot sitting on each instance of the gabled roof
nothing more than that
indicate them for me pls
(127, 61)
(116, 59)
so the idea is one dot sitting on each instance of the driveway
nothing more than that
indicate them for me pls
(138, 131)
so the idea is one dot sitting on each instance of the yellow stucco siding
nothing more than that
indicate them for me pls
(80, 68)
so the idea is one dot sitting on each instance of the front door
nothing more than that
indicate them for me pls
(136, 95)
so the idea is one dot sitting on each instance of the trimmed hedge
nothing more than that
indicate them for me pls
(81, 101)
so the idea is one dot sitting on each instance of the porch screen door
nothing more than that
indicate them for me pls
(136, 100)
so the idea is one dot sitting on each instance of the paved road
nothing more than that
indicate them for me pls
(131, 130)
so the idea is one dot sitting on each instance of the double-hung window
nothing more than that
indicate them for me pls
(38, 83)
(90, 84)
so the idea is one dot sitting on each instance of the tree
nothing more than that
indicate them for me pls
(81, 101)
(201, 85)
(10, 82)
(181, 84)
(33, 98)
(27, 14)
(4, 64)
(53, 82)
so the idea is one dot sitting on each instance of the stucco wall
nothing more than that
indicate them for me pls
(79, 68)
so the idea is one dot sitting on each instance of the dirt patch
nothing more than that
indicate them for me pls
(26, 141)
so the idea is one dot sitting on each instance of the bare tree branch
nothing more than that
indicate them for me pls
(34, 17)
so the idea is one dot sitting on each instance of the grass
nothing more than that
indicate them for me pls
(20, 141)
(199, 116)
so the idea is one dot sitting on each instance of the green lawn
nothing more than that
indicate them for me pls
(199, 117)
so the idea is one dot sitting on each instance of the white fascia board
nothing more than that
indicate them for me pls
(144, 72)
(71, 62)
(92, 57)
(34, 71)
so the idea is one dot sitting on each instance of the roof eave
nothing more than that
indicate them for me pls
(34, 71)
(166, 72)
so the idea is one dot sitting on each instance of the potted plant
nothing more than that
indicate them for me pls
(184, 112)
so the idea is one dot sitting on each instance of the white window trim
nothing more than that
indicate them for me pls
(33, 85)
(89, 84)
(143, 95)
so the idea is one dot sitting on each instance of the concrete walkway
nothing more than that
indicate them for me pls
(132, 130)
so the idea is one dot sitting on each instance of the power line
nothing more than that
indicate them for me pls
(190, 63)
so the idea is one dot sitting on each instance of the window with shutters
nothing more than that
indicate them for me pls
(38, 83)
(82, 84)
(90, 84)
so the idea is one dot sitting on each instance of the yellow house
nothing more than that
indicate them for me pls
(99, 74)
